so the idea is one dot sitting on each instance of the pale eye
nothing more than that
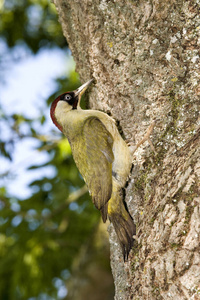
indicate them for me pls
(68, 97)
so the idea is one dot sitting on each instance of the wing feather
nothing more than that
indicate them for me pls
(94, 161)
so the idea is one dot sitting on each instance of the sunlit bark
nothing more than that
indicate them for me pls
(144, 56)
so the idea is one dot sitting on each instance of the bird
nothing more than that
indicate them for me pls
(102, 157)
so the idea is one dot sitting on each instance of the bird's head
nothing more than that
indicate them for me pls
(66, 102)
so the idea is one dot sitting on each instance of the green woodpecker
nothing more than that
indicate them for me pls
(102, 157)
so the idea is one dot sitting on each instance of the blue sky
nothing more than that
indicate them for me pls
(27, 83)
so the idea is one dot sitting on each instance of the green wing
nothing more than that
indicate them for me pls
(94, 160)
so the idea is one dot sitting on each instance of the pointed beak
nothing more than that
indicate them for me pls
(81, 90)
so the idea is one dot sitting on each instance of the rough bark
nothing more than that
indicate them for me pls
(144, 56)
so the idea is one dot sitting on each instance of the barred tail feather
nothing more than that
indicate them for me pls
(125, 229)
(122, 222)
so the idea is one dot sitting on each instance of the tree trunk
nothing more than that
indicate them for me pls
(144, 56)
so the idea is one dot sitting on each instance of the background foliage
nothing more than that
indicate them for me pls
(52, 245)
